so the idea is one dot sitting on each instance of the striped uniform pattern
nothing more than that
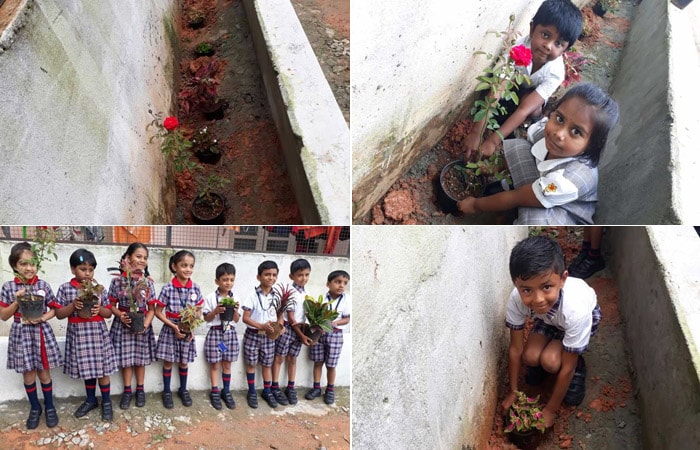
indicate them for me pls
(257, 348)
(294, 344)
(31, 347)
(211, 350)
(552, 332)
(328, 348)
(283, 342)
(174, 297)
(89, 352)
(130, 349)
(523, 169)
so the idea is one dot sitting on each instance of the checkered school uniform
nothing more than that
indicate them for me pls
(258, 347)
(566, 187)
(31, 347)
(289, 342)
(174, 297)
(573, 318)
(131, 349)
(330, 344)
(89, 351)
(217, 334)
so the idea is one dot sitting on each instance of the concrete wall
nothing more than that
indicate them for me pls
(315, 137)
(246, 264)
(413, 75)
(86, 73)
(652, 154)
(658, 298)
(429, 340)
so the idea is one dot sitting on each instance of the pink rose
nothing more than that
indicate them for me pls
(520, 55)
(170, 123)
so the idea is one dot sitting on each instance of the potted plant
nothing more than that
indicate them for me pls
(205, 146)
(190, 318)
(195, 18)
(282, 300)
(31, 304)
(137, 290)
(174, 145)
(573, 63)
(319, 315)
(204, 49)
(500, 82)
(603, 6)
(231, 305)
(201, 90)
(523, 420)
(209, 207)
(89, 294)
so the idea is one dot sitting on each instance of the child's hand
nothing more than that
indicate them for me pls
(549, 417)
(471, 144)
(220, 308)
(77, 304)
(268, 327)
(95, 310)
(488, 147)
(509, 400)
(306, 340)
(20, 293)
(126, 320)
(179, 334)
(467, 206)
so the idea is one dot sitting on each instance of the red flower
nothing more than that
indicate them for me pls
(170, 123)
(521, 55)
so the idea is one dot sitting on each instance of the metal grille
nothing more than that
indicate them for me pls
(330, 241)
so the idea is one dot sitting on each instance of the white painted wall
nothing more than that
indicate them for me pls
(413, 74)
(246, 264)
(74, 141)
(431, 337)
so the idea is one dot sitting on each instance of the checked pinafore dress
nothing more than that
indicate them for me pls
(174, 297)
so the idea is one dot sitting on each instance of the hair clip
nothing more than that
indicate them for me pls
(80, 258)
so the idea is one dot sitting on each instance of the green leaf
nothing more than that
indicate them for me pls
(480, 115)
(514, 97)
(478, 171)
(482, 86)
(519, 79)
(484, 79)
(500, 134)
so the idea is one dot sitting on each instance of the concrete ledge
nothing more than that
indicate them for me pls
(659, 295)
(315, 137)
(17, 9)
(198, 377)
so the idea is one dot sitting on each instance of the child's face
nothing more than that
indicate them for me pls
(546, 44)
(540, 292)
(25, 268)
(83, 272)
(138, 260)
(225, 282)
(337, 286)
(569, 129)
(268, 278)
(184, 267)
(300, 277)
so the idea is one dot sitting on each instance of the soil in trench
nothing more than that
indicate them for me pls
(608, 417)
(413, 200)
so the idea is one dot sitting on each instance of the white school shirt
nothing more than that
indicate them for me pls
(570, 314)
(299, 293)
(260, 307)
(549, 77)
(342, 304)
(211, 302)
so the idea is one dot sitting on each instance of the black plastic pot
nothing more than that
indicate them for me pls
(207, 156)
(227, 315)
(599, 9)
(209, 52)
(137, 321)
(215, 111)
(447, 203)
(196, 24)
(85, 312)
(313, 333)
(207, 212)
(524, 440)
(31, 307)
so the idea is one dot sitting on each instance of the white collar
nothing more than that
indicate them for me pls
(539, 151)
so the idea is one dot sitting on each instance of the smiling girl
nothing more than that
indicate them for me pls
(555, 171)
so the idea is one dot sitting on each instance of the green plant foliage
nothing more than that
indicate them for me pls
(319, 314)
(525, 414)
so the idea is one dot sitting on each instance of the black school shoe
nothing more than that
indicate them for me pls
(33, 419)
(215, 399)
(577, 388)
(534, 375)
(280, 397)
(329, 397)
(584, 266)
(291, 394)
(125, 402)
(252, 398)
(84, 408)
(140, 399)
(313, 393)
(168, 400)
(51, 418)
(270, 398)
(107, 413)
(185, 397)
(228, 399)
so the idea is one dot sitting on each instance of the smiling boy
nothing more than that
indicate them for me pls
(566, 315)
(553, 30)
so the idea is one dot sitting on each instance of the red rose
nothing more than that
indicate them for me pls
(520, 55)
(170, 122)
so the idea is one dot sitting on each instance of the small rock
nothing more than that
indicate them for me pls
(84, 442)
(316, 437)
(75, 440)
(621, 424)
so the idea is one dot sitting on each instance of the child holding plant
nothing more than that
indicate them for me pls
(131, 291)
(89, 352)
(179, 303)
(330, 344)
(553, 30)
(32, 349)
(555, 171)
(566, 315)
(221, 344)
(259, 313)
(288, 345)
